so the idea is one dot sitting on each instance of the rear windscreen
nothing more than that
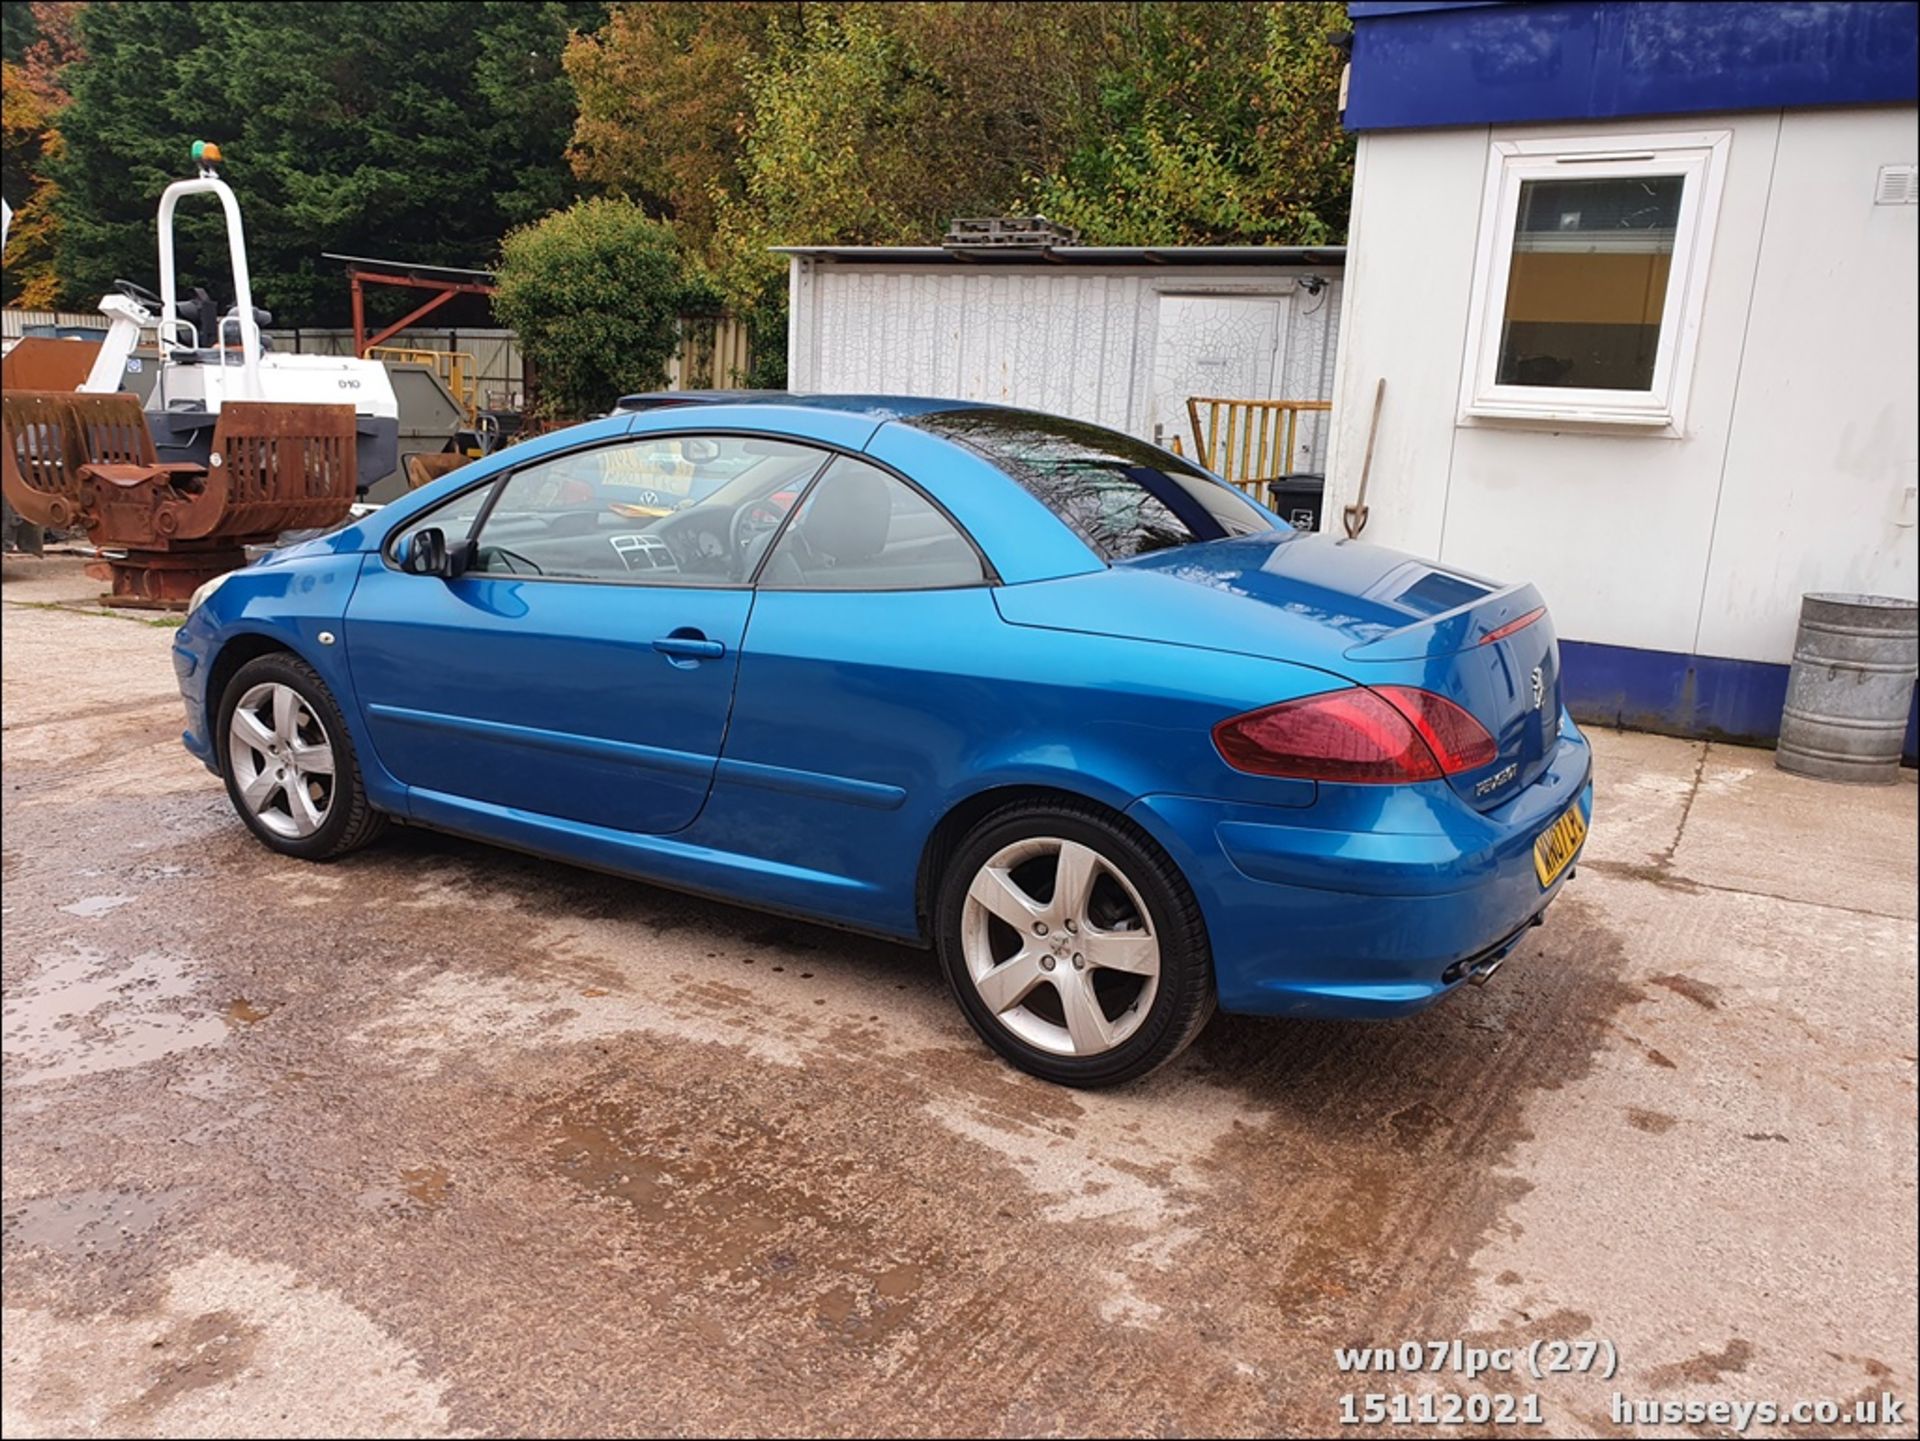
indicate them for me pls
(1120, 495)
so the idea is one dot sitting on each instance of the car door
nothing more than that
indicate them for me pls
(872, 638)
(582, 665)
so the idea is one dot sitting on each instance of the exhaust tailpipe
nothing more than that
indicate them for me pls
(1483, 972)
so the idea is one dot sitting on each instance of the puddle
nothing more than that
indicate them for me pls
(590, 1154)
(1707, 997)
(243, 1012)
(900, 1281)
(426, 1184)
(419, 1190)
(88, 1013)
(95, 906)
(85, 1223)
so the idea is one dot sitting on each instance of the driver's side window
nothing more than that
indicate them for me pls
(646, 511)
(453, 519)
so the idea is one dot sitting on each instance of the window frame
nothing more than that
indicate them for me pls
(927, 424)
(498, 481)
(390, 545)
(989, 576)
(1700, 158)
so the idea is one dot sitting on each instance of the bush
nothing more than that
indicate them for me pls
(766, 321)
(594, 293)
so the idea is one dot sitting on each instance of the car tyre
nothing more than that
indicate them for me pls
(289, 764)
(1124, 955)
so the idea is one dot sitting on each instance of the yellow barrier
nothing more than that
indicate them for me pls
(454, 367)
(1259, 437)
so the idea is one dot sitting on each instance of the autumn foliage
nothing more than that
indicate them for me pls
(32, 94)
(427, 130)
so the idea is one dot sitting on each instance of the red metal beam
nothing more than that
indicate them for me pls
(444, 290)
(467, 287)
(408, 319)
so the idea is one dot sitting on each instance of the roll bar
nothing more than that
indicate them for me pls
(208, 183)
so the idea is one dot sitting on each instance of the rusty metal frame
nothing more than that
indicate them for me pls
(89, 460)
(359, 277)
(38, 362)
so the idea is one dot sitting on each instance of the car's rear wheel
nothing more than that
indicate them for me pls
(289, 764)
(1073, 944)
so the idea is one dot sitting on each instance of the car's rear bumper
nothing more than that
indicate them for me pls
(1336, 920)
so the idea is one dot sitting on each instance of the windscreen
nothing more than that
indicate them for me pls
(1120, 495)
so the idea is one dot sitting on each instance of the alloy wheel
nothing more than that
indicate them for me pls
(282, 760)
(1059, 946)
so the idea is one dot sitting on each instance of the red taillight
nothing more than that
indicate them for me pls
(1513, 625)
(1457, 740)
(1391, 735)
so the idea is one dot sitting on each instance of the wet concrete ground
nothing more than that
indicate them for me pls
(444, 1140)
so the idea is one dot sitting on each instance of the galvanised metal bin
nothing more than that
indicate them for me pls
(1851, 687)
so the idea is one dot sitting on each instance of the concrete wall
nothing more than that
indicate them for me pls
(1794, 467)
(1079, 341)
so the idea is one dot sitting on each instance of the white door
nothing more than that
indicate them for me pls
(1213, 345)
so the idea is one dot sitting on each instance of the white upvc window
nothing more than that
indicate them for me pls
(1590, 278)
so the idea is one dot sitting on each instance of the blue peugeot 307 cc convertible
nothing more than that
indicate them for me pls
(1113, 739)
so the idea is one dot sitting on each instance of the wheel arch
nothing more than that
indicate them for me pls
(969, 810)
(234, 653)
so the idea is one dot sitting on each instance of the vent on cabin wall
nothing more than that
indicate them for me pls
(1897, 185)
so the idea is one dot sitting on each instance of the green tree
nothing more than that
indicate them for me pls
(877, 124)
(781, 124)
(1221, 125)
(823, 159)
(594, 293)
(19, 30)
(415, 129)
(684, 107)
(663, 104)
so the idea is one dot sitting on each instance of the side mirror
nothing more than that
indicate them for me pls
(426, 554)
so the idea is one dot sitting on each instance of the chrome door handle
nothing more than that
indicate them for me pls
(691, 644)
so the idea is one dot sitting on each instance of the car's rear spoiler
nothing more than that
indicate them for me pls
(1453, 630)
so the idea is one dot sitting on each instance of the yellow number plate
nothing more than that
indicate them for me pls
(1558, 844)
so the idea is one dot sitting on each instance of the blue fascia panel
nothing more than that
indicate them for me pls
(1379, 9)
(1486, 64)
(1686, 695)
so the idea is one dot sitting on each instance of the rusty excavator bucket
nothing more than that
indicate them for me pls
(89, 461)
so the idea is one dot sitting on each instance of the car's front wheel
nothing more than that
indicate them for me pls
(1073, 944)
(289, 762)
